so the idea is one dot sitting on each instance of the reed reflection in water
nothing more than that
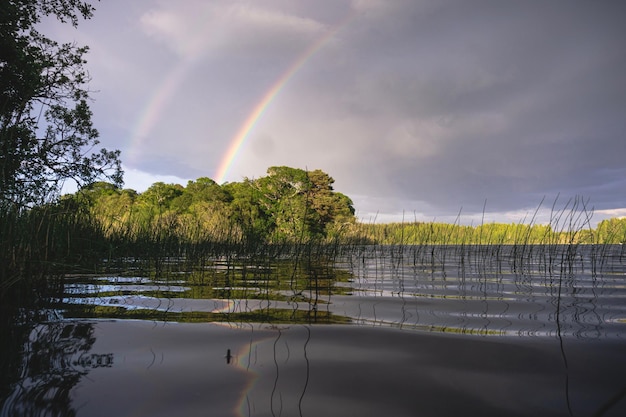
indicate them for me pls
(542, 291)
(160, 369)
(55, 358)
(551, 291)
(378, 331)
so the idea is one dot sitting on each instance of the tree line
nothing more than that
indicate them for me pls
(609, 231)
(293, 205)
(288, 204)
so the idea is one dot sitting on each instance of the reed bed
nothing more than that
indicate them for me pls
(40, 245)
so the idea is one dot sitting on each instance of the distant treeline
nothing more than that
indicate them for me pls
(611, 231)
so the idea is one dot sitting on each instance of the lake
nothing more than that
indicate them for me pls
(370, 331)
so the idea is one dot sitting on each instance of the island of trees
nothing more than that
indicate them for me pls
(286, 205)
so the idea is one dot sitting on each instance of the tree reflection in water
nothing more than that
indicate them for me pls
(54, 358)
(388, 330)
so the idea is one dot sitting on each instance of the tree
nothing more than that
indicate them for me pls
(301, 204)
(160, 195)
(612, 231)
(46, 132)
(283, 196)
(205, 189)
(329, 205)
(246, 210)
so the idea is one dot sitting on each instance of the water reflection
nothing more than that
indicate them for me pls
(445, 289)
(289, 337)
(54, 358)
(280, 292)
(164, 369)
(456, 289)
(280, 370)
(313, 370)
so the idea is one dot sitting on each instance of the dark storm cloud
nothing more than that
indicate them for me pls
(528, 99)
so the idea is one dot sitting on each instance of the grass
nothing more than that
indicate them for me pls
(39, 246)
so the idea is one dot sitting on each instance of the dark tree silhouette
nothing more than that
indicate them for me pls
(46, 132)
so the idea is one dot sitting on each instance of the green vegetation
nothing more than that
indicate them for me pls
(46, 138)
(290, 213)
(611, 231)
(288, 204)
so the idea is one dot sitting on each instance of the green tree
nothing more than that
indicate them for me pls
(205, 189)
(302, 204)
(110, 206)
(46, 132)
(612, 231)
(283, 196)
(332, 208)
(247, 212)
(160, 195)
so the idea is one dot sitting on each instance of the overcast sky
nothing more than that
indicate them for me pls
(425, 108)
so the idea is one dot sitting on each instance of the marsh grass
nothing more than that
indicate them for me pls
(41, 245)
(520, 247)
(46, 242)
(276, 281)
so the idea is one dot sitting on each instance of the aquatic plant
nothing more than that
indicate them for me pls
(105, 229)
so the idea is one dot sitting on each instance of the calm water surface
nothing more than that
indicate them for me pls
(402, 331)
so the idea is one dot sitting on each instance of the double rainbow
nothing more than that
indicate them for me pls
(166, 90)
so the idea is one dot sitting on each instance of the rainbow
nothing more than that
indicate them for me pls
(166, 90)
(157, 103)
(242, 134)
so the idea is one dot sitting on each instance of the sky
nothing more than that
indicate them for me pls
(434, 110)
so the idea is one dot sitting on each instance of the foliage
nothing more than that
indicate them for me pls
(419, 233)
(612, 231)
(288, 204)
(290, 213)
(301, 204)
(45, 241)
(46, 132)
(291, 205)
(46, 138)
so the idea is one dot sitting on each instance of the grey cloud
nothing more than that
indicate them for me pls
(425, 106)
(551, 75)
